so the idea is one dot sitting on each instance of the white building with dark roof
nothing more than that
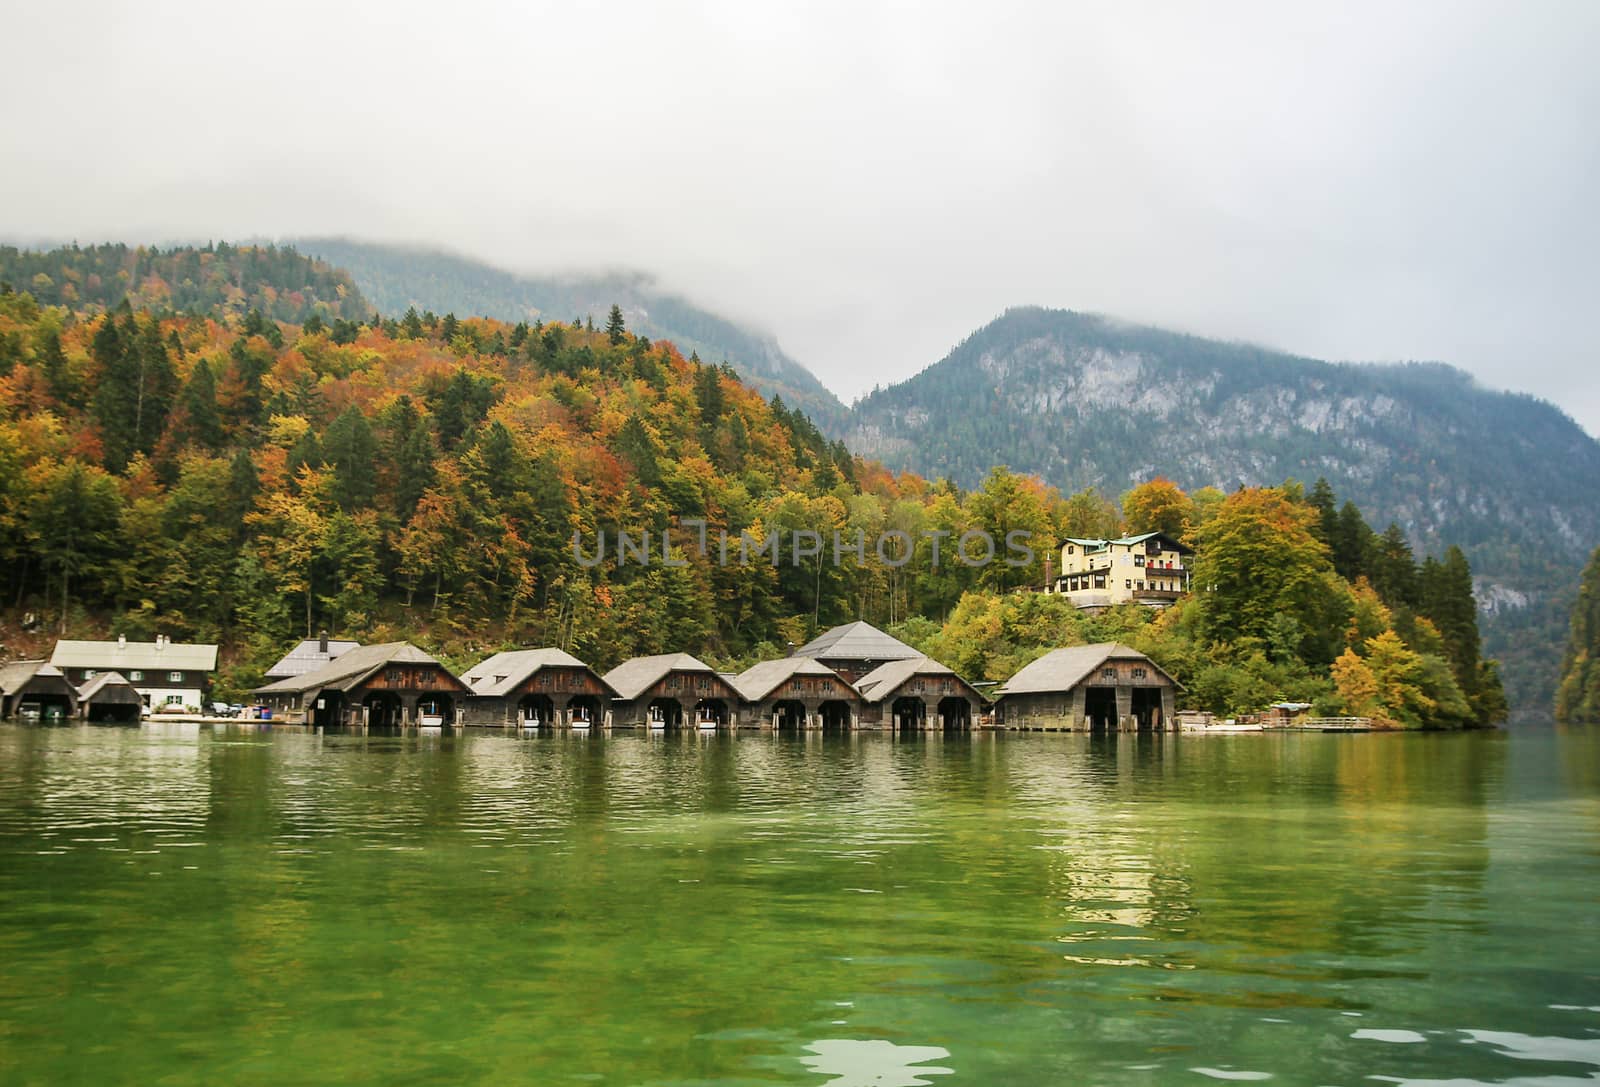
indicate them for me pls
(164, 672)
(1089, 687)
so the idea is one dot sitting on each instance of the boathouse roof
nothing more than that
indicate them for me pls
(504, 672)
(122, 655)
(350, 668)
(112, 687)
(856, 641)
(310, 655)
(888, 677)
(633, 677)
(1063, 669)
(18, 674)
(758, 681)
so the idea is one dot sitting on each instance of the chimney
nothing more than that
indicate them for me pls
(161, 642)
(122, 641)
(1049, 571)
(322, 642)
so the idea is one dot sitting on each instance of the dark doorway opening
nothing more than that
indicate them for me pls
(1100, 707)
(327, 709)
(664, 713)
(909, 714)
(583, 711)
(383, 709)
(536, 711)
(835, 716)
(789, 715)
(1147, 708)
(113, 713)
(955, 714)
(710, 713)
(436, 710)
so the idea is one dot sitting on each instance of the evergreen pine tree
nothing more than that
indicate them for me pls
(616, 330)
(200, 405)
(350, 450)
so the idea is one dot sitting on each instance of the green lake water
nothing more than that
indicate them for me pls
(264, 906)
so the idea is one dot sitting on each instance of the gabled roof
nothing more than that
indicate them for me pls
(351, 668)
(887, 678)
(633, 677)
(856, 641)
(760, 680)
(18, 674)
(503, 672)
(308, 656)
(109, 685)
(1064, 669)
(121, 656)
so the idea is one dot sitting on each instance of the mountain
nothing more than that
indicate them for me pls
(1084, 400)
(396, 278)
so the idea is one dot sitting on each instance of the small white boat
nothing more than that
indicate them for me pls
(430, 716)
(530, 724)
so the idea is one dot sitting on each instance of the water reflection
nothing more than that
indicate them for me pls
(683, 908)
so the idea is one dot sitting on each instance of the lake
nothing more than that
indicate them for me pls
(234, 905)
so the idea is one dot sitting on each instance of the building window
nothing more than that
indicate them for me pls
(674, 682)
(174, 700)
(1138, 560)
(702, 683)
(135, 675)
(89, 673)
(544, 681)
(1138, 673)
(174, 677)
(1108, 673)
(1127, 583)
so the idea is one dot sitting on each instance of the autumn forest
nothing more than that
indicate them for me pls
(227, 444)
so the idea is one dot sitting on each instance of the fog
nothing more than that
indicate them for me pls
(871, 182)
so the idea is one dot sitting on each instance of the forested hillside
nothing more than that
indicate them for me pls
(241, 479)
(1086, 401)
(222, 279)
(1578, 697)
(396, 278)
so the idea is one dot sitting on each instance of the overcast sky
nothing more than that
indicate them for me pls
(872, 182)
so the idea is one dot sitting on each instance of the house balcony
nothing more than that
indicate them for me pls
(1165, 571)
(1157, 596)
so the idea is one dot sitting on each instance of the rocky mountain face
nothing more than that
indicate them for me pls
(394, 278)
(1086, 401)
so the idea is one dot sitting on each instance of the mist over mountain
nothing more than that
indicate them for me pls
(1083, 400)
(394, 278)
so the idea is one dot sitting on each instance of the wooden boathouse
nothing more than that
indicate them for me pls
(36, 690)
(110, 699)
(671, 690)
(796, 694)
(1107, 686)
(536, 688)
(916, 695)
(394, 684)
